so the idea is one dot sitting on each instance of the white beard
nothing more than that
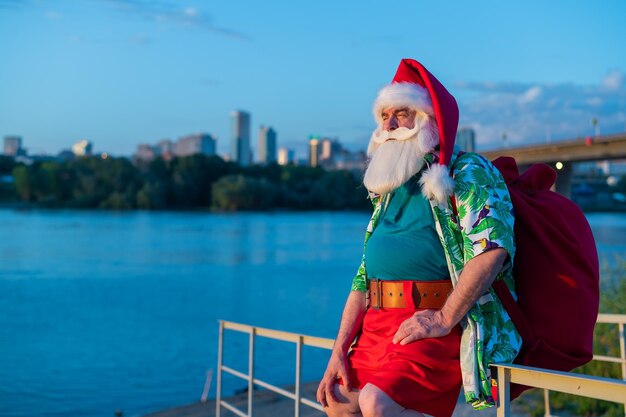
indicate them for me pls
(393, 162)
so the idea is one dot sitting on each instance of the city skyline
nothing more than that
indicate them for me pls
(123, 72)
(240, 150)
(267, 151)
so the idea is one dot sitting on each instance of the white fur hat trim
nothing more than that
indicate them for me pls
(402, 94)
(437, 185)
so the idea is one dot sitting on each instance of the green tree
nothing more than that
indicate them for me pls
(152, 196)
(236, 192)
(105, 183)
(339, 190)
(297, 187)
(7, 163)
(25, 180)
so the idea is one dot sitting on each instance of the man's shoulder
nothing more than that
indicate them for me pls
(471, 161)
(471, 158)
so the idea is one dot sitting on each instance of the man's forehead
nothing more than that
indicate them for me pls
(396, 109)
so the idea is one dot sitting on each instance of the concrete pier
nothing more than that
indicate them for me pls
(270, 404)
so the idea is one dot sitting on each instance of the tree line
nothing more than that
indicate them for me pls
(182, 183)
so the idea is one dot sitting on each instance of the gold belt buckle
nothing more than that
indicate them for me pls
(376, 283)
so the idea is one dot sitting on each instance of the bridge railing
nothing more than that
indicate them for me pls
(567, 382)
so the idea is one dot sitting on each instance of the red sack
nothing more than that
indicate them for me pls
(556, 273)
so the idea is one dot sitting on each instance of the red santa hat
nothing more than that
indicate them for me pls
(415, 87)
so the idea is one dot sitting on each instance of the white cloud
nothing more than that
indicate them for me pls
(530, 95)
(191, 12)
(169, 13)
(614, 80)
(531, 113)
(594, 102)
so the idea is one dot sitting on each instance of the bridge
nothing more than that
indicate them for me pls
(568, 152)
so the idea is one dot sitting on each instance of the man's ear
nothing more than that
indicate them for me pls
(428, 134)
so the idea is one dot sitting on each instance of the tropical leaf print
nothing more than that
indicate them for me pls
(503, 352)
(495, 235)
(477, 199)
(486, 224)
(462, 211)
(485, 220)
(359, 282)
(462, 177)
(482, 177)
(463, 189)
(503, 210)
(468, 249)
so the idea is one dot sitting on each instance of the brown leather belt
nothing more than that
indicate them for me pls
(425, 294)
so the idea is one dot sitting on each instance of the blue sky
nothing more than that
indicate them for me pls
(124, 72)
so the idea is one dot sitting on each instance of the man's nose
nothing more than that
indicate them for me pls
(390, 124)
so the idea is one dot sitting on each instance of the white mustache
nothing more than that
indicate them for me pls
(400, 133)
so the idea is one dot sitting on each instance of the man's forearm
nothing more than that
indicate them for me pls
(476, 278)
(351, 321)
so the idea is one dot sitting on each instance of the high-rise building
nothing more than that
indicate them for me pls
(326, 152)
(286, 156)
(240, 137)
(165, 149)
(202, 143)
(466, 139)
(267, 145)
(353, 161)
(329, 149)
(145, 152)
(82, 148)
(314, 151)
(13, 145)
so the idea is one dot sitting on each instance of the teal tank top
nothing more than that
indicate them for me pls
(405, 244)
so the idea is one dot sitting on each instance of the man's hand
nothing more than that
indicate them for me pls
(337, 368)
(423, 324)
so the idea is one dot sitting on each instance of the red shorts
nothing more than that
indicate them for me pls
(424, 375)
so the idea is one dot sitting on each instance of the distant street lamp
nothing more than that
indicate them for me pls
(596, 125)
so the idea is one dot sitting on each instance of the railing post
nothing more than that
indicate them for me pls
(504, 392)
(622, 349)
(251, 371)
(546, 403)
(622, 354)
(220, 361)
(298, 370)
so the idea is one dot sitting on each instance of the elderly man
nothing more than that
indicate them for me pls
(423, 313)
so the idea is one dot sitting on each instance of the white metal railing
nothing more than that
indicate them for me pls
(577, 384)
(254, 332)
(619, 320)
(583, 385)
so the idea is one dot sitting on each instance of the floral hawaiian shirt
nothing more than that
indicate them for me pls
(484, 221)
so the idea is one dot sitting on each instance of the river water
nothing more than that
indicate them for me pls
(102, 311)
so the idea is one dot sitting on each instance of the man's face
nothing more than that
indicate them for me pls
(395, 117)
